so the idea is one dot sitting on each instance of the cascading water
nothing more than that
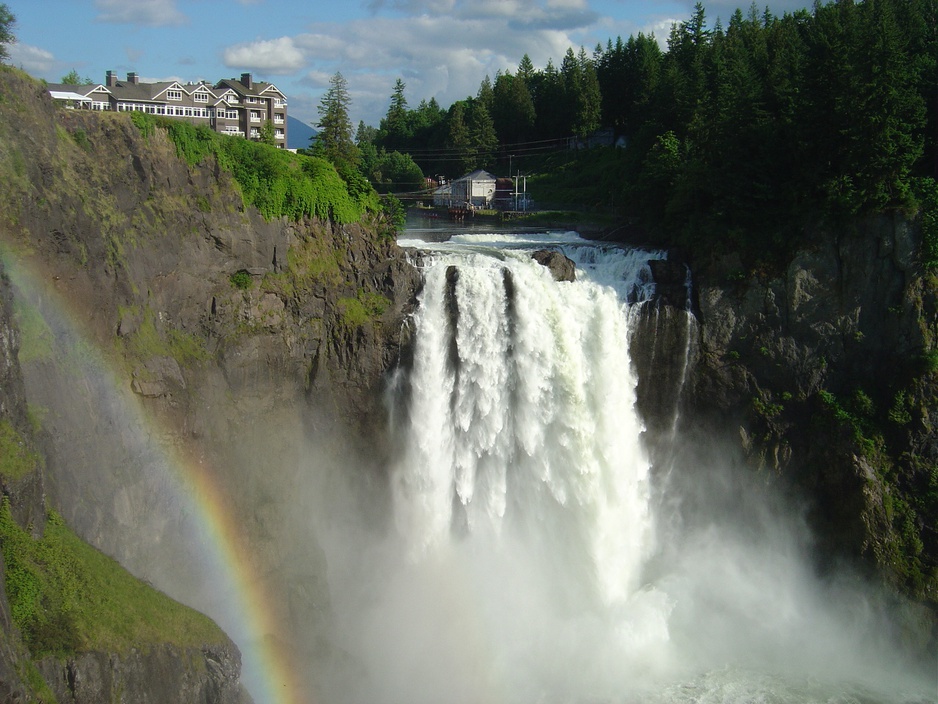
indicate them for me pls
(522, 414)
(531, 557)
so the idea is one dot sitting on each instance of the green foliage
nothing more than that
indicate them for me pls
(927, 194)
(392, 171)
(275, 181)
(334, 141)
(147, 341)
(66, 597)
(144, 122)
(73, 79)
(17, 458)
(899, 413)
(81, 139)
(7, 23)
(241, 280)
(311, 266)
(858, 414)
(362, 310)
(394, 210)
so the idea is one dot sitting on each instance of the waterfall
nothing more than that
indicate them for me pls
(529, 556)
(522, 412)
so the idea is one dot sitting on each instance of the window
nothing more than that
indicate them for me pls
(231, 114)
(174, 95)
(160, 109)
(201, 97)
(188, 112)
(278, 133)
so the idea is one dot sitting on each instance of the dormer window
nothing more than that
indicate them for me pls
(174, 95)
(200, 97)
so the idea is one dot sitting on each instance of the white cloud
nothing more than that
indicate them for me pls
(442, 57)
(277, 56)
(32, 59)
(150, 13)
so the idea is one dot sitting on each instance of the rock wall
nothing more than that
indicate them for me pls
(187, 334)
(820, 374)
(161, 674)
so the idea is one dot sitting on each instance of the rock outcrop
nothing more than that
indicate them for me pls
(562, 268)
(161, 674)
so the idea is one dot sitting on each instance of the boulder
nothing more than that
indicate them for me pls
(562, 268)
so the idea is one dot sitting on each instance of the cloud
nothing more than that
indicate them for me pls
(150, 13)
(32, 59)
(277, 56)
(438, 56)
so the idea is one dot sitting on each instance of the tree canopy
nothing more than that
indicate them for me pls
(334, 141)
(7, 23)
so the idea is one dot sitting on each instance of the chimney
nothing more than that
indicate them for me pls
(133, 78)
(110, 79)
(246, 81)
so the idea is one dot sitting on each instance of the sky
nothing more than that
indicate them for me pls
(441, 49)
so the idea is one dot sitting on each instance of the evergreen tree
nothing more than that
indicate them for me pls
(394, 126)
(547, 89)
(482, 137)
(526, 68)
(513, 109)
(7, 23)
(334, 140)
(486, 94)
(73, 79)
(458, 141)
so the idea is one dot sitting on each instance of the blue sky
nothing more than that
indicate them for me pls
(441, 48)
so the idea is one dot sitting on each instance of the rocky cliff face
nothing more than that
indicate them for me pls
(824, 375)
(207, 675)
(180, 324)
(160, 674)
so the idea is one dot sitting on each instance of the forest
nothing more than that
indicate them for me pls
(739, 133)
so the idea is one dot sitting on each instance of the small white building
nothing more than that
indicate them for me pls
(443, 196)
(476, 189)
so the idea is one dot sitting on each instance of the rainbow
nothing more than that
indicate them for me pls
(247, 609)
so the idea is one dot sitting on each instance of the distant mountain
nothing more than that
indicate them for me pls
(298, 133)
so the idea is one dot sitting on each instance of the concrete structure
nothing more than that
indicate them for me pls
(232, 106)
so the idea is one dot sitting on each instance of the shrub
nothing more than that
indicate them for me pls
(241, 280)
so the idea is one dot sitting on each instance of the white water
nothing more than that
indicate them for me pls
(533, 555)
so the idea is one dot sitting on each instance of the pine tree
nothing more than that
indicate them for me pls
(7, 23)
(334, 141)
(395, 125)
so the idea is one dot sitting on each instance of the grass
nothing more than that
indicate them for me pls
(67, 598)
(37, 342)
(147, 341)
(17, 458)
(364, 309)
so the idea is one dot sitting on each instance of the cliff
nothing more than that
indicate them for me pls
(823, 375)
(175, 331)
(49, 653)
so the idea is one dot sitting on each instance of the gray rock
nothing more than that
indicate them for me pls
(562, 268)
